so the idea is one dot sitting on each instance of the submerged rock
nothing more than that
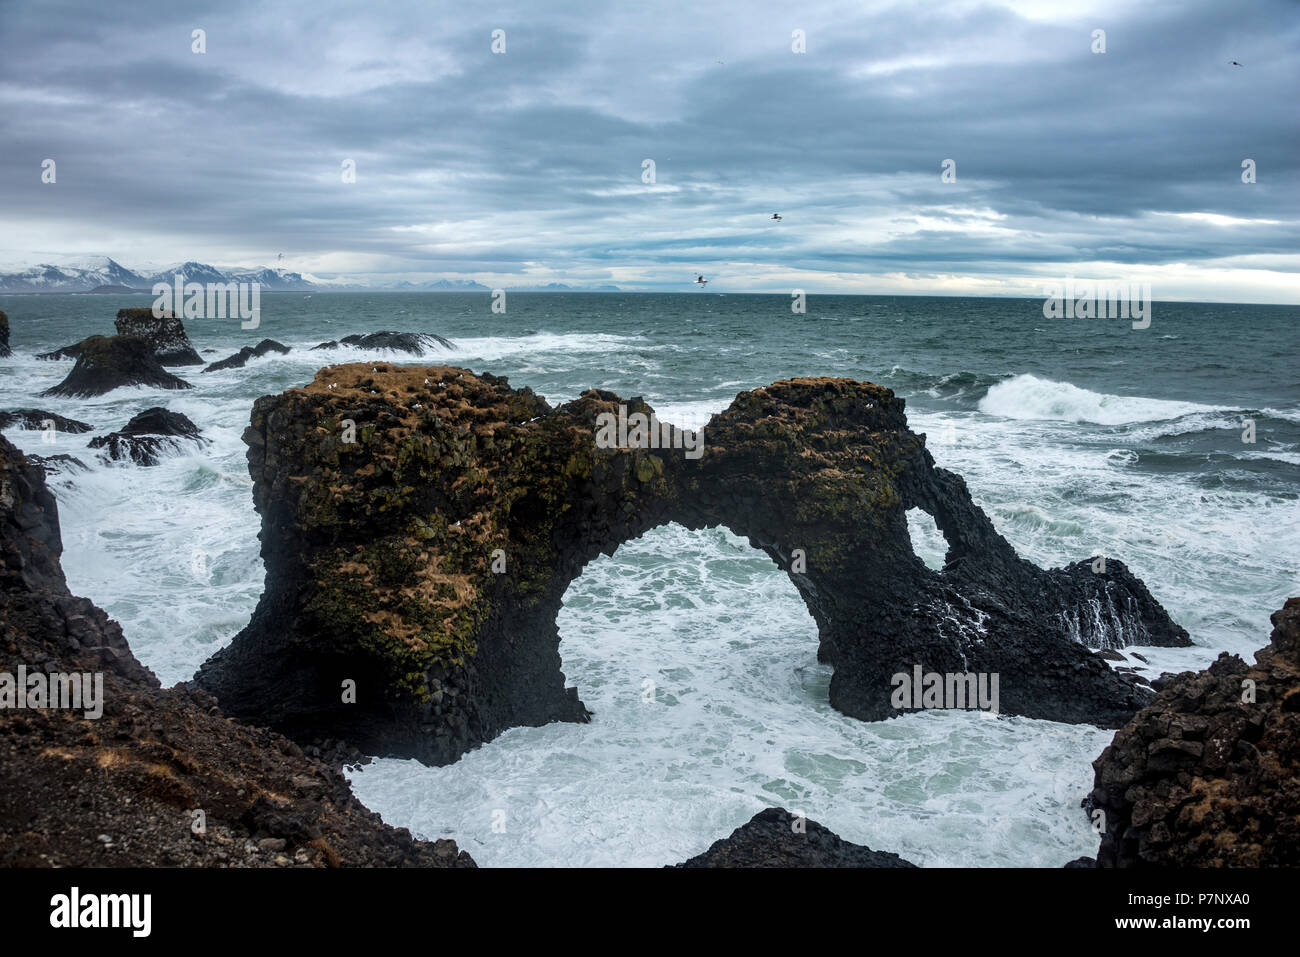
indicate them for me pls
(36, 419)
(165, 334)
(122, 789)
(240, 358)
(59, 464)
(416, 343)
(1208, 775)
(107, 363)
(420, 526)
(67, 352)
(143, 439)
(776, 838)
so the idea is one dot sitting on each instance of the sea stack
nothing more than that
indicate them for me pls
(420, 526)
(165, 334)
(105, 363)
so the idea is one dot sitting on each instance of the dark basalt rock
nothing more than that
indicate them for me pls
(1106, 606)
(165, 334)
(380, 555)
(770, 839)
(146, 436)
(67, 352)
(36, 419)
(240, 358)
(59, 464)
(416, 343)
(137, 772)
(5, 351)
(1208, 775)
(108, 363)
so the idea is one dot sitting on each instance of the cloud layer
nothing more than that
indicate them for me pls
(527, 165)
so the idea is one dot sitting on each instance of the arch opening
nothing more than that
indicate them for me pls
(929, 543)
(676, 615)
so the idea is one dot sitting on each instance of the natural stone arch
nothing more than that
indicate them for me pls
(380, 554)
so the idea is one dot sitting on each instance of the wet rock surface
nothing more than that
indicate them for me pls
(67, 352)
(775, 838)
(105, 363)
(165, 334)
(240, 358)
(39, 420)
(415, 343)
(60, 464)
(148, 436)
(123, 789)
(1208, 775)
(420, 526)
(5, 351)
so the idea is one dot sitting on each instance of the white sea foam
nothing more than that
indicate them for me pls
(1029, 397)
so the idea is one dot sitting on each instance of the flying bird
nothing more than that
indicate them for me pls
(777, 217)
(1235, 63)
(701, 281)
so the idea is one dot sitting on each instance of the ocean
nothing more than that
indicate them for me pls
(1076, 436)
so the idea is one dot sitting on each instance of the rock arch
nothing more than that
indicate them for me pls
(383, 555)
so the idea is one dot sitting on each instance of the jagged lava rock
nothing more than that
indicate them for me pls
(137, 772)
(426, 560)
(107, 363)
(770, 839)
(143, 439)
(240, 358)
(1208, 775)
(59, 464)
(416, 343)
(36, 419)
(67, 352)
(165, 334)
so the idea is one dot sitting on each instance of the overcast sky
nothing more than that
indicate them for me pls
(527, 166)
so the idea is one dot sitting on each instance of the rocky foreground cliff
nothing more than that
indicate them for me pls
(161, 777)
(1209, 774)
(420, 525)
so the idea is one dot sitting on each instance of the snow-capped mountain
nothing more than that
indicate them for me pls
(452, 285)
(102, 274)
(89, 274)
(81, 275)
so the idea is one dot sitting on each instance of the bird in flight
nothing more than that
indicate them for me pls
(701, 281)
(1235, 63)
(777, 217)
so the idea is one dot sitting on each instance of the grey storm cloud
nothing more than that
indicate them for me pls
(475, 164)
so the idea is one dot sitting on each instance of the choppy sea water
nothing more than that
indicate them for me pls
(1076, 436)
